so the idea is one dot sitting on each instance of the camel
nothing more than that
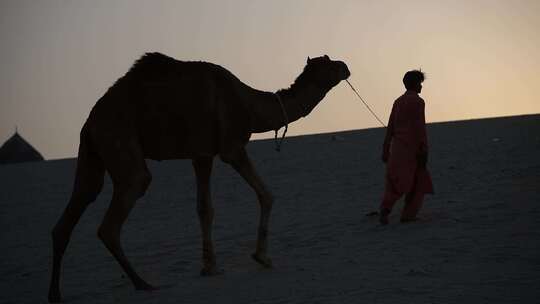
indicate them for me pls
(163, 108)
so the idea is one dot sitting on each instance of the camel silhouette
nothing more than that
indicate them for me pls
(163, 108)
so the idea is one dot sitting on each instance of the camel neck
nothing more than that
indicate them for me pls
(299, 102)
(296, 102)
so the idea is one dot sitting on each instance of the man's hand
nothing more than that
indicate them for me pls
(422, 159)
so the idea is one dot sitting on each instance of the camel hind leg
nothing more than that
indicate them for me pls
(203, 170)
(88, 184)
(131, 178)
(242, 164)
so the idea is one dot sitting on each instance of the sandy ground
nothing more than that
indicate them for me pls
(478, 242)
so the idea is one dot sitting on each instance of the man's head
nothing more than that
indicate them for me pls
(413, 80)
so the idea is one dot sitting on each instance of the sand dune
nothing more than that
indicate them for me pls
(478, 242)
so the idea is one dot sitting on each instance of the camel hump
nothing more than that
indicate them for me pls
(153, 65)
(154, 59)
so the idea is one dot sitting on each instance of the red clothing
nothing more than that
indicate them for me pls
(413, 201)
(405, 142)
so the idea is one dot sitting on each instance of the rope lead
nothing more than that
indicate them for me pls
(367, 106)
(280, 142)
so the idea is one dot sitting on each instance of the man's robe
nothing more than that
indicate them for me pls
(405, 143)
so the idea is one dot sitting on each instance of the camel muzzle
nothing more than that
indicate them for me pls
(345, 70)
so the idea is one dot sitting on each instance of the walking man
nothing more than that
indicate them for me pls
(405, 152)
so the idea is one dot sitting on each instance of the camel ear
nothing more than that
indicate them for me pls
(308, 59)
(326, 57)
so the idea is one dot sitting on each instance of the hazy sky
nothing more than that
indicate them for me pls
(58, 57)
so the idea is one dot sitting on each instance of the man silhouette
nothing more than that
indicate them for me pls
(405, 152)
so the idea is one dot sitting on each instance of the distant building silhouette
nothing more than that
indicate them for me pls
(18, 150)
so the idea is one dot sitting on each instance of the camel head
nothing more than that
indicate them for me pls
(324, 72)
(319, 76)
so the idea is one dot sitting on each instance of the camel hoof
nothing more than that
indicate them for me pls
(145, 286)
(54, 296)
(211, 271)
(266, 262)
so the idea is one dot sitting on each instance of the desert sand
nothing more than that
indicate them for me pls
(478, 240)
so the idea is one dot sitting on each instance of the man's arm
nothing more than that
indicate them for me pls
(420, 124)
(388, 137)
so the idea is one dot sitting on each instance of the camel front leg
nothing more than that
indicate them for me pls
(203, 170)
(242, 164)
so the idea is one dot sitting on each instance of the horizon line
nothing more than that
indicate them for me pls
(362, 129)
